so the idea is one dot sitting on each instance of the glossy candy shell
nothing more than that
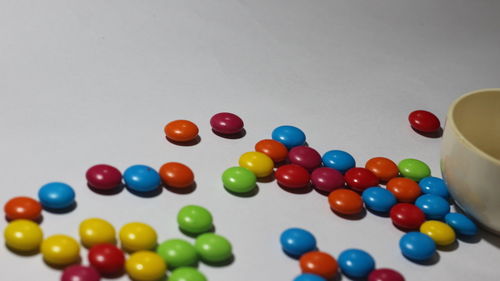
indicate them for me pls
(226, 123)
(297, 241)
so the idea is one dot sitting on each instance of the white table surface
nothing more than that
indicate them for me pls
(87, 82)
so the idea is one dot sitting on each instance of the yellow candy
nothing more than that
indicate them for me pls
(257, 162)
(96, 231)
(440, 232)
(136, 236)
(23, 236)
(60, 250)
(145, 266)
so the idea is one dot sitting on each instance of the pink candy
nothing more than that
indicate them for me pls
(226, 123)
(80, 273)
(305, 156)
(327, 179)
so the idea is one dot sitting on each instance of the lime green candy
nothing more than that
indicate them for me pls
(187, 274)
(194, 219)
(213, 248)
(177, 253)
(239, 180)
(414, 169)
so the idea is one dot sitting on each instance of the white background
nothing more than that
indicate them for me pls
(87, 82)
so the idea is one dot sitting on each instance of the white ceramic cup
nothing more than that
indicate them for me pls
(470, 155)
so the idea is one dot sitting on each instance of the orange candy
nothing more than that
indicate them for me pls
(176, 175)
(274, 149)
(384, 168)
(405, 189)
(23, 208)
(345, 201)
(181, 130)
(319, 263)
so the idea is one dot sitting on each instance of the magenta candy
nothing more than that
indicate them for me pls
(305, 156)
(80, 273)
(226, 123)
(385, 274)
(327, 179)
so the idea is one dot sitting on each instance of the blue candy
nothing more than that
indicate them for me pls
(417, 246)
(309, 277)
(141, 178)
(433, 206)
(461, 224)
(356, 263)
(433, 185)
(339, 160)
(56, 195)
(379, 199)
(290, 136)
(297, 241)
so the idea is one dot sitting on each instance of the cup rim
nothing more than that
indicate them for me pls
(462, 138)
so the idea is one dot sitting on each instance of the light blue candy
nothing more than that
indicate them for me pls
(339, 160)
(356, 263)
(289, 136)
(56, 195)
(433, 185)
(297, 241)
(433, 206)
(141, 178)
(461, 224)
(309, 277)
(417, 246)
(378, 199)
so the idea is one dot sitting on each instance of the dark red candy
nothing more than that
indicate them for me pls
(385, 274)
(407, 216)
(103, 176)
(424, 121)
(360, 179)
(305, 156)
(107, 259)
(292, 176)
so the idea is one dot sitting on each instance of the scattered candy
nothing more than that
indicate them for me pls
(319, 263)
(433, 206)
(405, 189)
(297, 241)
(95, 231)
(226, 123)
(186, 274)
(385, 274)
(56, 195)
(259, 163)
(309, 277)
(356, 263)
(292, 176)
(239, 180)
(433, 185)
(141, 178)
(137, 236)
(176, 175)
(145, 266)
(107, 259)
(327, 179)
(345, 202)
(378, 199)
(178, 253)
(103, 177)
(461, 224)
(440, 232)
(60, 250)
(274, 149)
(194, 219)
(384, 168)
(360, 179)
(424, 121)
(407, 216)
(338, 160)
(80, 273)
(181, 131)
(290, 136)
(23, 236)
(414, 169)
(213, 248)
(22, 208)
(417, 246)
(305, 156)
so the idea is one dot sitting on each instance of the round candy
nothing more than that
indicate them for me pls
(305, 156)
(440, 232)
(319, 263)
(292, 176)
(309, 277)
(433, 185)
(213, 248)
(176, 175)
(96, 231)
(107, 259)
(194, 219)
(22, 208)
(137, 236)
(297, 241)
(378, 199)
(178, 253)
(259, 163)
(290, 136)
(384, 168)
(187, 274)
(23, 235)
(339, 160)
(356, 263)
(145, 266)
(226, 123)
(327, 179)
(407, 216)
(385, 274)
(405, 190)
(239, 180)
(417, 246)
(80, 273)
(360, 179)
(181, 130)
(60, 250)
(141, 178)
(103, 177)
(461, 224)
(56, 195)
(274, 149)
(424, 121)
(433, 206)
(345, 202)
(414, 169)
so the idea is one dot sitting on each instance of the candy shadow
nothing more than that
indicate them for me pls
(297, 257)
(302, 190)
(267, 179)
(355, 217)
(184, 190)
(238, 135)
(61, 211)
(378, 213)
(251, 193)
(432, 261)
(22, 253)
(195, 141)
(227, 262)
(194, 235)
(452, 247)
(38, 220)
(149, 194)
(115, 275)
(474, 239)
(433, 135)
(62, 266)
(107, 192)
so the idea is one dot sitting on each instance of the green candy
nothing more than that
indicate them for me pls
(239, 180)
(178, 253)
(187, 274)
(213, 248)
(414, 169)
(194, 219)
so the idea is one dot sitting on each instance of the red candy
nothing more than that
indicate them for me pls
(424, 121)
(80, 273)
(327, 179)
(107, 258)
(22, 208)
(385, 274)
(407, 216)
(292, 176)
(226, 123)
(305, 156)
(103, 177)
(360, 179)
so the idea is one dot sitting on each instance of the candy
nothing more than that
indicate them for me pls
(194, 219)
(137, 236)
(213, 248)
(186, 274)
(259, 163)
(80, 273)
(433, 185)
(23, 236)
(103, 177)
(176, 175)
(461, 224)
(107, 259)
(327, 179)
(60, 250)
(56, 195)
(378, 199)
(95, 231)
(424, 121)
(181, 131)
(297, 241)
(407, 216)
(145, 266)
(309, 277)
(385, 274)
(178, 253)
(345, 202)
(360, 179)
(417, 246)
(440, 232)
(226, 123)
(338, 160)
(292, 176)
(304, 156)
(290, 136)
(319, 263)
(274, 149)
(405, 190)
(414, 169)
(22, 208)
(384, 168)
(141, 178)
(356, 263)
(433, 206)
(239, 180)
